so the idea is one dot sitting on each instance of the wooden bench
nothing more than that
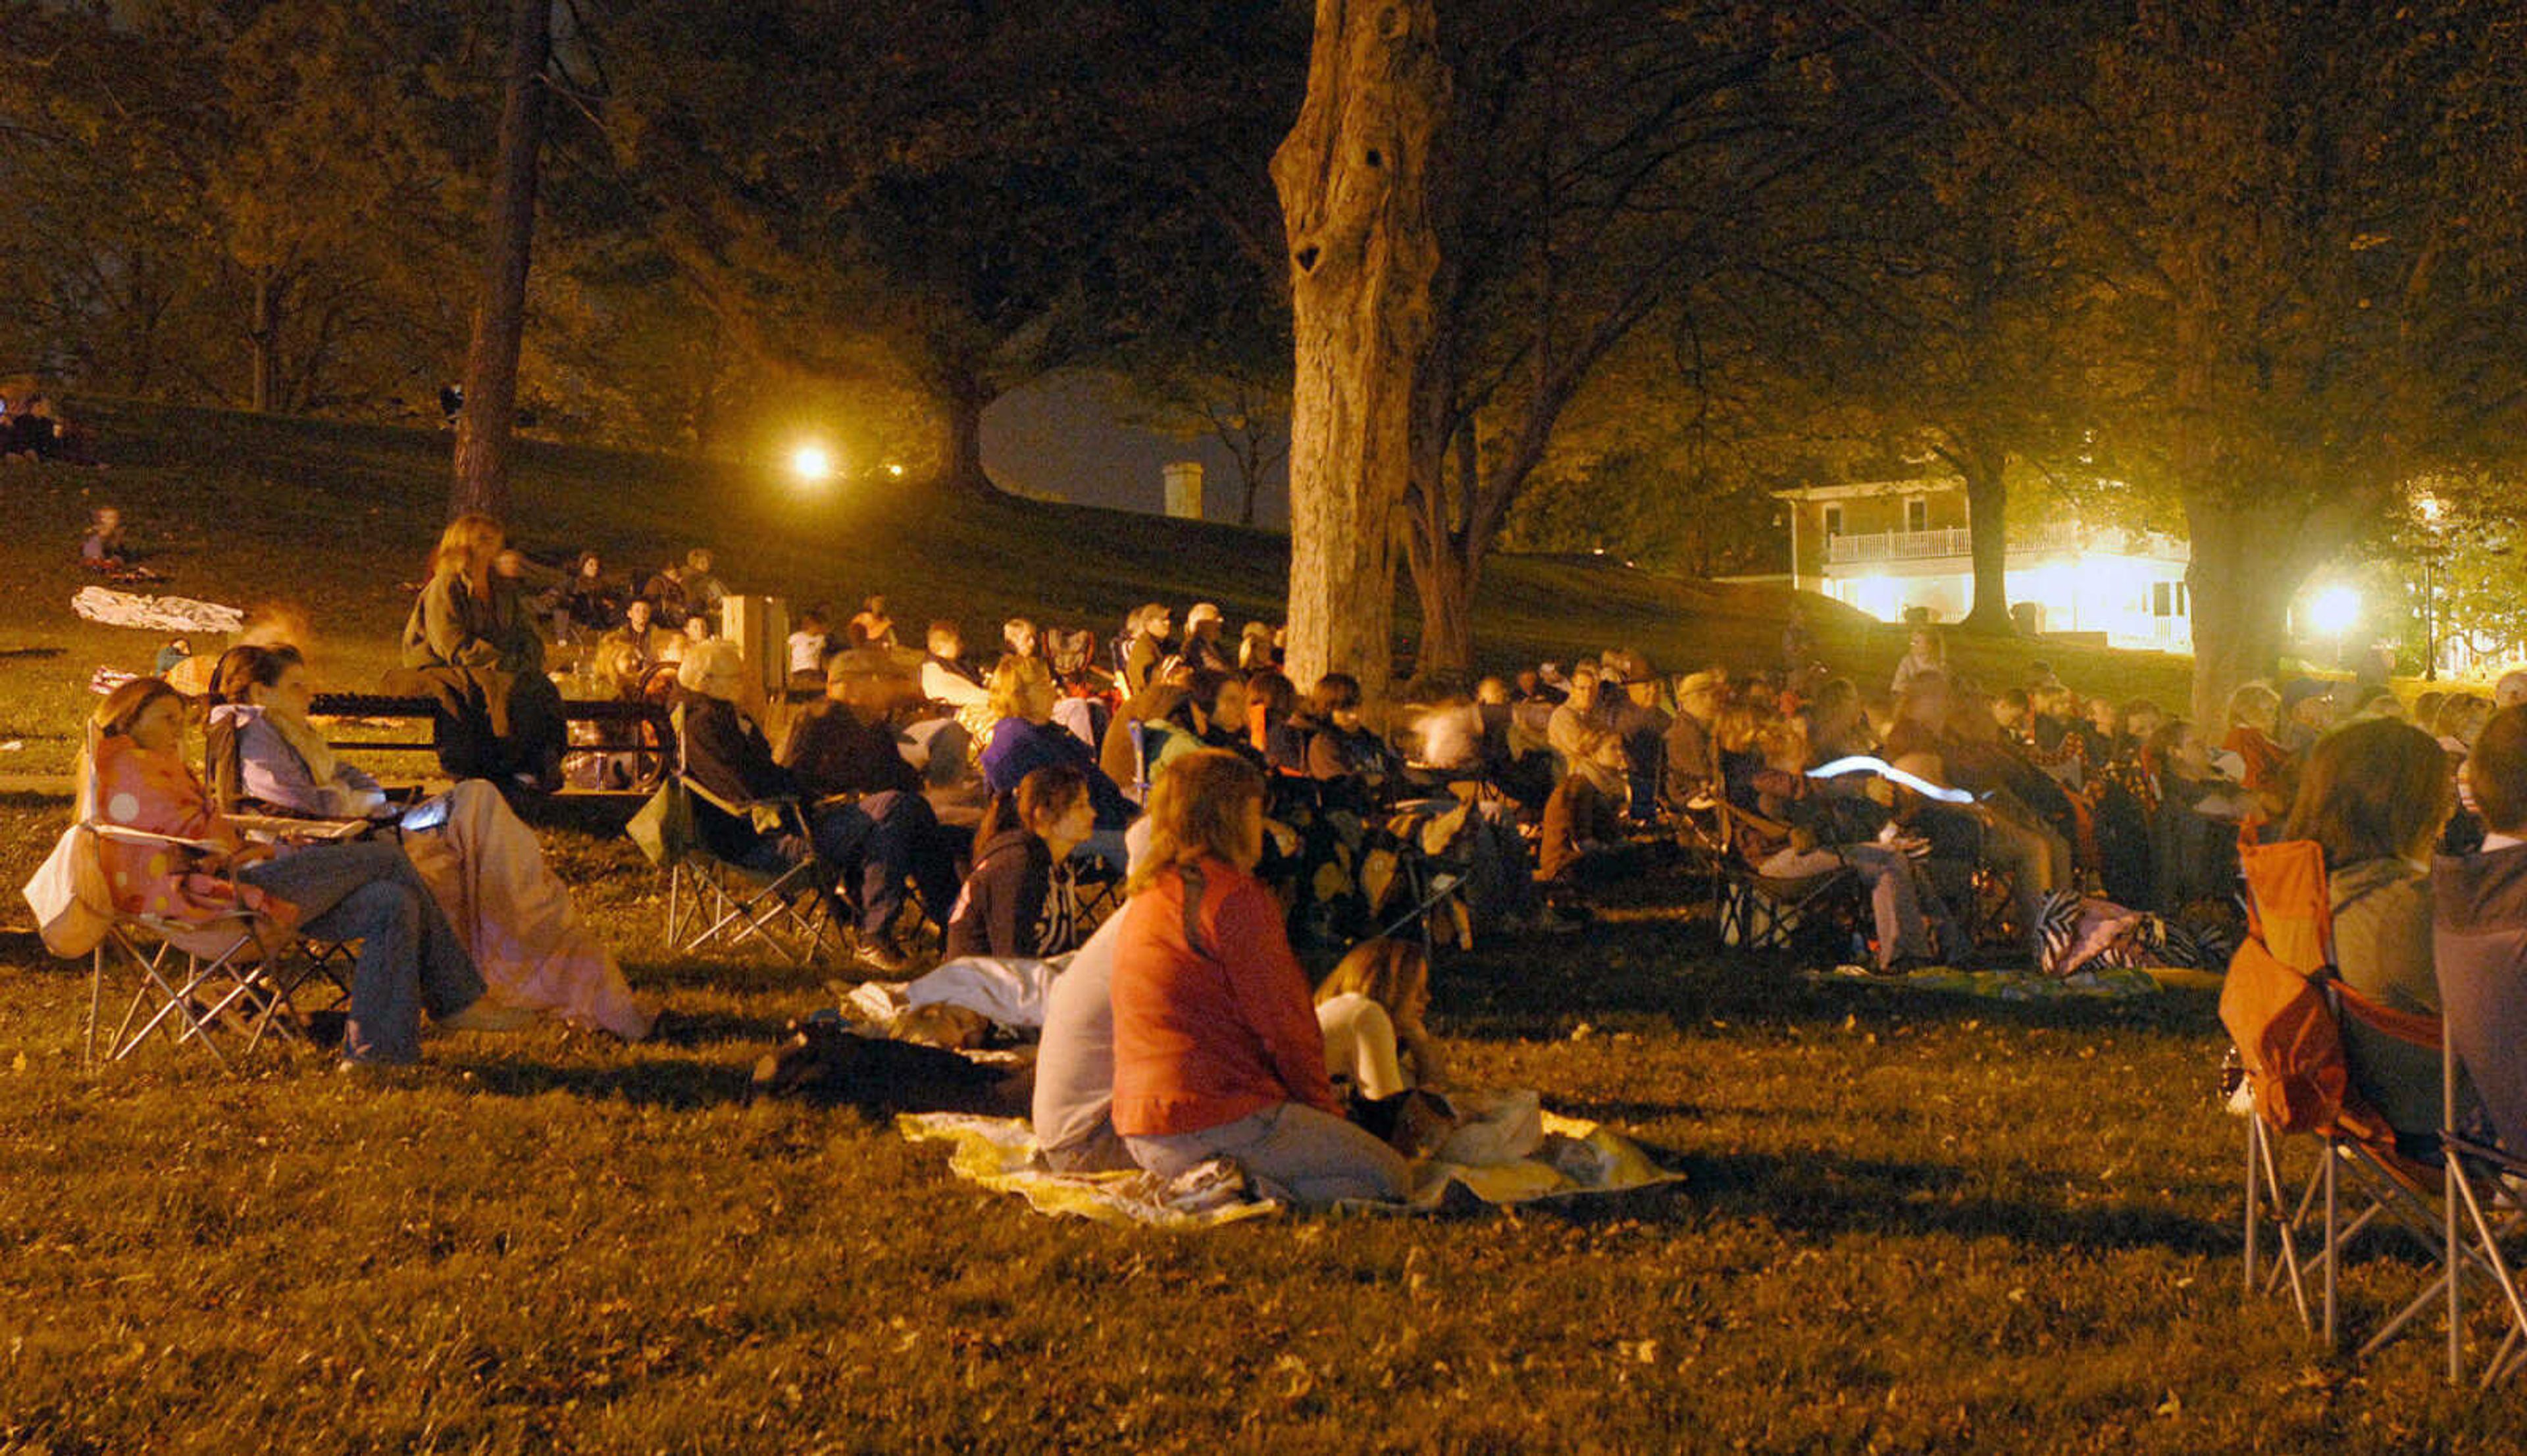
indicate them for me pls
(619, 725)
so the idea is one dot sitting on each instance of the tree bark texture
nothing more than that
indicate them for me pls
(1987, 528)
(1354, 182)
(2250, 559)
(499, 320)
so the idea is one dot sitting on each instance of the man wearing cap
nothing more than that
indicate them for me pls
(1691, 766)
(1202, 651)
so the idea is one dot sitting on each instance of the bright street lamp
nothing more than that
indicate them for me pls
(812, 464)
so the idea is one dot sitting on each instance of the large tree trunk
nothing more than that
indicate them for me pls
(1444, 586)
(2248, 562)
(500, 322)
(956, 445)
(1986, 518)
(1353, 178)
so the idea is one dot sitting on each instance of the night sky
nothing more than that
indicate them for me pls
(1063, 436)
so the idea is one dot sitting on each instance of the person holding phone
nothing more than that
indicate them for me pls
(481, 862)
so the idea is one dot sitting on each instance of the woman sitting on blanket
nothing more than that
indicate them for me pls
(482, 864)
(1217, 1055)
(1021, 901)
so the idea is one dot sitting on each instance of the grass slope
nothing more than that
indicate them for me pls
(240, 507)
(1910, 1225)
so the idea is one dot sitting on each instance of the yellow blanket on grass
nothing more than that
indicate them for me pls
(999, 1153)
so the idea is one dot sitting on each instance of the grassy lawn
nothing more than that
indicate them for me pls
(1908, 1223)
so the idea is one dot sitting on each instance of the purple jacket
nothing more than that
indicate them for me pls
(1019, 748)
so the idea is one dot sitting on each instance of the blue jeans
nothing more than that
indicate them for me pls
(1303, 1156)
(411, 957)
(880, 841)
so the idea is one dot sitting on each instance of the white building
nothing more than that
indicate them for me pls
(1894, 547)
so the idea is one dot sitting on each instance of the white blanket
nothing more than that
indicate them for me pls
(163, 614)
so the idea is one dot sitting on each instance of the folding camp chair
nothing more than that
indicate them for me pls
(200, 981)
(223, 776)
(1768, 912)
(713, 904)
(2358, 1181)
(2482, 1176)
(2359, 1178)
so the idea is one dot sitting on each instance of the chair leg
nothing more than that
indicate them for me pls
(2333, 1243)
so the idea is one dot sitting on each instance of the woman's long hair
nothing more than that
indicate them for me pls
(1051, 790)
(2372, 790)
(467, 548)
(1014, 684)
(1197, 812)
(1387, 971)
(122, 707)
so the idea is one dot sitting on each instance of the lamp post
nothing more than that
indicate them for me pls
(2429, 508)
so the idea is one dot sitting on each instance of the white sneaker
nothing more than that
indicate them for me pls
(1216, 1184)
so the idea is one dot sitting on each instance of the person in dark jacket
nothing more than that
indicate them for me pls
(2479, 931)
(885, 836)
(1021, 899)
(1024, 738)
(470, 646)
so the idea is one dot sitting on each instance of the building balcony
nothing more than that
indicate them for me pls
(1900, 545)
(1957, 542)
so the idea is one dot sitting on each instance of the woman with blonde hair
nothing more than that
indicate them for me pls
(1026, 738)
(2263, 764)
(1219, 1066)
(1369, 1009)
(471, 647)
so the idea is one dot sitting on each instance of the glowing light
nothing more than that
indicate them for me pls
(2430, 506)
(894, 469)
(812, 464)
(2333, 610)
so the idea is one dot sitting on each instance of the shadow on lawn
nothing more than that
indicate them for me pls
(1827, 1193)
(682, 1084)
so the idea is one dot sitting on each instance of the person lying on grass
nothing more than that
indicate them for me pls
(410, 959)
(1217, 1055)
(482, 863)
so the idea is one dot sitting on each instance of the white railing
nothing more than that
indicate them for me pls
(1901, 545)
(1958, 541)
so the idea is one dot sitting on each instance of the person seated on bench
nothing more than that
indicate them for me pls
(1369, 1009)
(884, 837)
(410, 959)
(471, 647)
(1217, 1055)
(1021, 900)
(2374, 795)
(629, 656)
(481, 862)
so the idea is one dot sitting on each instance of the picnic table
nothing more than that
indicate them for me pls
(633, 736)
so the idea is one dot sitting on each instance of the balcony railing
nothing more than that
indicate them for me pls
(1958, 541)
(1901, 545)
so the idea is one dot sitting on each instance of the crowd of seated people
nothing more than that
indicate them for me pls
(1182, 1038)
